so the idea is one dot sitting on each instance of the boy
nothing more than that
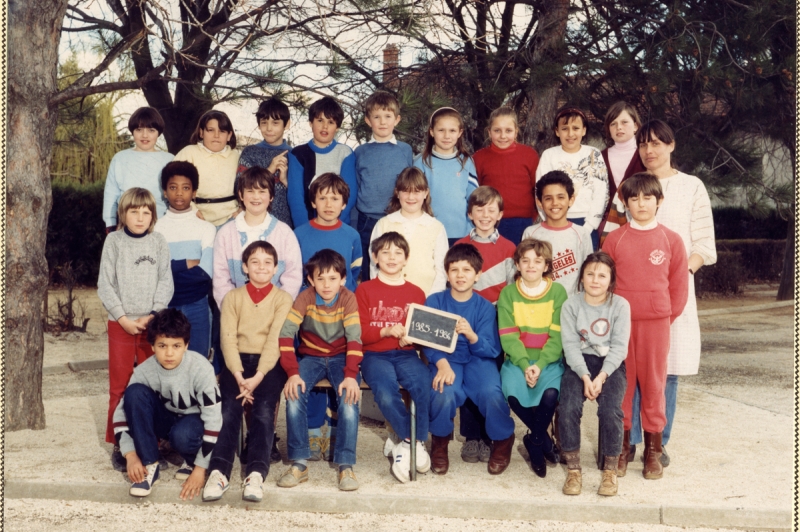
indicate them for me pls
(191, 248)
(572, 243)
(173, 395)
(378, 162)
(273, 118)
(252, 316)
(319, 155)
(470, 371)
(485, 209)
(653, 275)
(136, 167)
(329, 195)
(326, 316)
(389, 359)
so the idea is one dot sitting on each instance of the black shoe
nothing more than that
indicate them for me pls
(536, 454)
(275, 454)
(118, 461)
(550, 451)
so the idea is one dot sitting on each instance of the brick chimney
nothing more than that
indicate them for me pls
(391, 62)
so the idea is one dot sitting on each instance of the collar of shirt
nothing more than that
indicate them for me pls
(258, 294)
(392, 140)
(473, 235)
(444, 156)
(321, 302)
(224, 152)
(397, 217)
(636, 225)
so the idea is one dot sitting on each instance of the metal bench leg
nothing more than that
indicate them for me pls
(413, 413)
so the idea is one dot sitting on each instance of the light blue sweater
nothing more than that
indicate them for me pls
(450, 186)
(131, 168)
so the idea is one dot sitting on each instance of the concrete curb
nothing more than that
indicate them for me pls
(305, 501)
(751, 308)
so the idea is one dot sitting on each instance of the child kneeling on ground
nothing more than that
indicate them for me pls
(326, 316)
(470, 370)
(595, 328)
(173, 395)
(252, 317)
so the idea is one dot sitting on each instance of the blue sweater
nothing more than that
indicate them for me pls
(377, 167)
(341, 238)
(261, 154)
(131, 168)
(450, 186)
(482, 317)
(307, 162)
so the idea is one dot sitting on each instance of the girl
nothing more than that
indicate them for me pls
(409, 213)
(595, 329)
(213, 151)
(511, 169)
(450, 171)
(686, 210)
(135, 282)
(583, 164)
(621, 158)
(529, 314)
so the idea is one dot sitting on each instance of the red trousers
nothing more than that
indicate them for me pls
(123, 350)
(647, 364)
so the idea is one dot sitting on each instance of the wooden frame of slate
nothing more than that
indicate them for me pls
(432, 327)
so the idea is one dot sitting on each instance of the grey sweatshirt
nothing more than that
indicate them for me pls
(602, 330)
(135, 277)
(190, 388)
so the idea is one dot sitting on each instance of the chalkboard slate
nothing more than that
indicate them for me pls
(431, 327)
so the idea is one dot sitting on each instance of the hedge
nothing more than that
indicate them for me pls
(734, 223)
(741, 262)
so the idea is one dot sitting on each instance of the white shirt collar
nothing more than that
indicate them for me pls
(392, 140)
(636, 225)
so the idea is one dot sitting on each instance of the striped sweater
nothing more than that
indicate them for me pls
(189, 388)
(325, 330)
(530, 327)
(498, 263)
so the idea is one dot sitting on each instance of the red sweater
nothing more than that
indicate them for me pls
(652, 270)
(513, 173)
(493, 274)
(381, 305)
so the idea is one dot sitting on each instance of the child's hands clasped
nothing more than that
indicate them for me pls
(444, 375)
(352, 389)
(194, 484)
(279, 164)
(290, 388)
(592, 388)
(134, 327)
(463, 327)
(248, 386)
(397, 331)
(532, 375)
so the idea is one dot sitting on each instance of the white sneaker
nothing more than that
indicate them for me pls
(183, 471)
(216, 485)
(143, 488)
(253, 487)
(423, 458)
(391, 443)
(401, 467)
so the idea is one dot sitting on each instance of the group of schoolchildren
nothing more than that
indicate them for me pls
(545, 320)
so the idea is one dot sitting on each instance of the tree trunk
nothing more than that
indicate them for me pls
(33, 33)
(786, 288)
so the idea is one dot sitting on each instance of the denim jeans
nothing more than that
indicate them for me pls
(385, 372)
(261, 429)
(609, 408)
(512, 228)
(199, 316)
(218, 360)
(671, 395)
(148, 420)
(312, 370)
(364, 227)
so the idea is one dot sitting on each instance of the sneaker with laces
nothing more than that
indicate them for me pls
(391, 443)
(423, 458)
(347, 480)
(470, 451)
(143, 488)
(253, 487)
(292, 477)
(401, 466)
(215, 486)
(118, 462)
(484, 451)
(183, 471)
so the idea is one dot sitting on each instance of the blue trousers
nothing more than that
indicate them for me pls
(671, 395)
(148, 420)
(480, 381)
(385, 372)
(364, 227)
(199, 316)
(312, 370)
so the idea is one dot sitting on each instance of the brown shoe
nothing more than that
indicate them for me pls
(652, 456)
(572, 485)
(501, 455)
(622, 464)
(608, 484)
(439, 461)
